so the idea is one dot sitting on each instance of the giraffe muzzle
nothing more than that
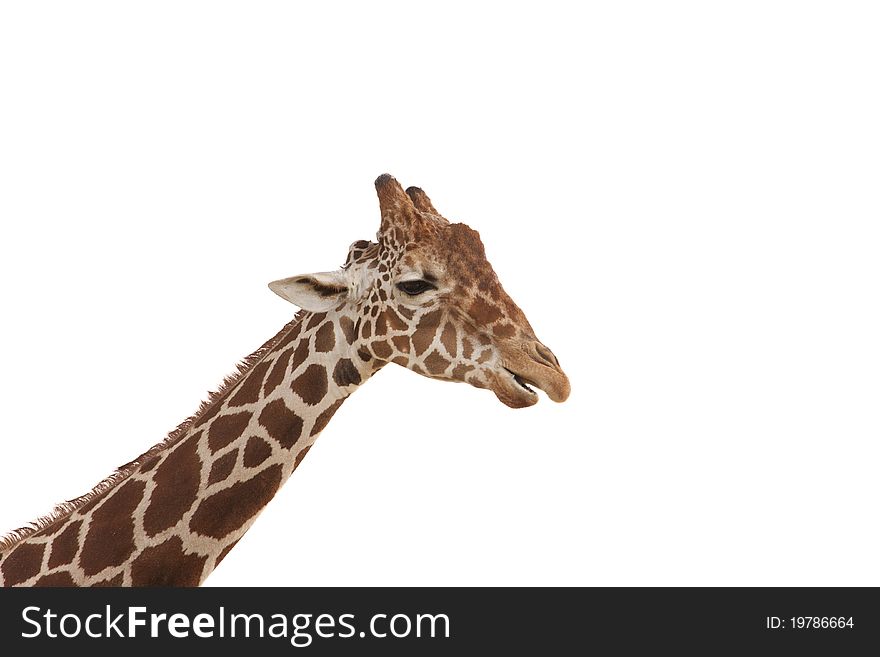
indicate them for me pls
(529, 365)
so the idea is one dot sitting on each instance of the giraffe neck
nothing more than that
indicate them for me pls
(170, 516)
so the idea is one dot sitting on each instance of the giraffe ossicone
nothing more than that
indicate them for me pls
(422, 296)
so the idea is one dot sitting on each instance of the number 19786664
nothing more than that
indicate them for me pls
(810, 622)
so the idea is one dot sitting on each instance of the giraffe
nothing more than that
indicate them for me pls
(422, 296)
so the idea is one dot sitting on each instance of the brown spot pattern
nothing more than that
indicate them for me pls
(167, 564)
(325, 338)
(249, 389)
(276, 376)
(209, 413)
(177, 485)
(116, 580)
(381, 325)
(291, 335)
(300, 355)
(222, 467)
(348, 329)
(322, 420)
(227, 510)
(345, 373)
(421, 340)
(401, 343)
(301, 456)
(61, 578)
(65, 545)
(283, 424)
(22, 563)
(57, 526)
(395, 323)
(311, 385)
(256, 451)
(426, 330)
(448, 338)
(149, 463)
(226, 429)
(505, 330)
(316, 319)
(382, 349)
(483, 312)
(436, 363)
(110, 539)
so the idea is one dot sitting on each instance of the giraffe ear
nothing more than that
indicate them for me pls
(313, 292)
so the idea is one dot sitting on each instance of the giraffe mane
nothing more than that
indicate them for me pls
(63, 510)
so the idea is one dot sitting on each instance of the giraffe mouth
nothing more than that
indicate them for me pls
(518, 387)
(523, 382)
(523, 393)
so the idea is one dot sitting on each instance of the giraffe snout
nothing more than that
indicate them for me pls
(531, 363)
(546, 372)
(543, 354)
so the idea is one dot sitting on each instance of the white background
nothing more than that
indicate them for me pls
(682, 197)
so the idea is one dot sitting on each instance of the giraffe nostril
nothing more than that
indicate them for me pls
(546, 354)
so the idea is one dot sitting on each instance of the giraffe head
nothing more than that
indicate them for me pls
(425, 297)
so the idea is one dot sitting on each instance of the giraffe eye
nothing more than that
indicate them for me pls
(414, 288)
